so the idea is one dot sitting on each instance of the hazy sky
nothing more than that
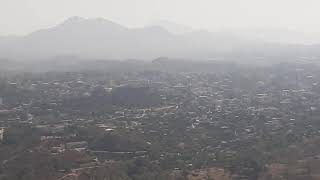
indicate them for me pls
(24, 16)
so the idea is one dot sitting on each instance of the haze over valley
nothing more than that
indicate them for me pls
(104, 39)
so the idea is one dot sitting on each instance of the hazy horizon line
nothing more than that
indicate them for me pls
(154, 23)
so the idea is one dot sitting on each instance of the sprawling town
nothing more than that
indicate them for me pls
(166, 121)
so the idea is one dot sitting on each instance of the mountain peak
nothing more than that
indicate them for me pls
(74, 19)
(172, 27)
(77, 21)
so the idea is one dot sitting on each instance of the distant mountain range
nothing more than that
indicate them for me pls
(101, 38)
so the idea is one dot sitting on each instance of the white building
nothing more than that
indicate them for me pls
(1, 133)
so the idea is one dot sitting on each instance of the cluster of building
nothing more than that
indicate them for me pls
(181, 113)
